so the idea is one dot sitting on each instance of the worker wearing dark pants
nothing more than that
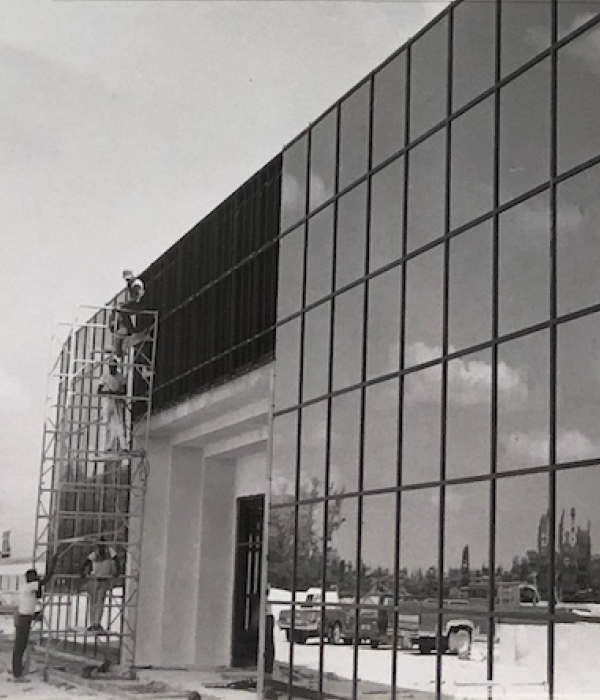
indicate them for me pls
(23, 626)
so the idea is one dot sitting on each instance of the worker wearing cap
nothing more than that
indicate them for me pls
(124, 321)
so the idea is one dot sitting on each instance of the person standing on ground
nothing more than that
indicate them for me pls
(29, 593)
(100, 568)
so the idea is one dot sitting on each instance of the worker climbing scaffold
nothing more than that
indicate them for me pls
(93, 477)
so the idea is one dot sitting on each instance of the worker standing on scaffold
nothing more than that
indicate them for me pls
(124, 319)
(99, 569)
(29, 593)
(113, 388)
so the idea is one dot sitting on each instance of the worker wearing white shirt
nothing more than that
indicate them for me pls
(29, 593)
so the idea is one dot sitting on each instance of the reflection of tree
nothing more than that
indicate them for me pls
(309, 562)
(312, 546)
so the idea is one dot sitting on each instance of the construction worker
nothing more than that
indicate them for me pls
(99, 570)
(29, 593)
(124, 317)
(113, 388)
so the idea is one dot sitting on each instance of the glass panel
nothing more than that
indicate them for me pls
(419, 522)
(281, 551)
(378, 547)
(316, 351)
(312, 451)
(473, 44)
(578, 390)
(341, 546)
(288, 363)
(320, 254)
(322, 159)
(470, 288)
(389, 109)
(578, 582)
(354, 135)
(525, 130)
(283, 473)
(472, 176)
(578, 133)
(348, 332)
(521, 582)
(466, 540)
(525, 31)
(426, 188)
(309, 559)
(523, 394)
(524, 265)
(345, 441)
(468, 415)
(421, 426)
(429, 66)
(424, 306)
(351, 236)
(383, 323)
(387, 216)
(578, 246)
(293, 188)
(291, 272)
(381, 436)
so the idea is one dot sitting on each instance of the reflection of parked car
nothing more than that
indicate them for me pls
(310, 615)
(374, 620)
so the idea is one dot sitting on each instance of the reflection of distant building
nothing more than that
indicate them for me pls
(574, 556)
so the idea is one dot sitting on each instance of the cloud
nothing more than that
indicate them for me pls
(533, 448)
(12, 394)
(469, 380)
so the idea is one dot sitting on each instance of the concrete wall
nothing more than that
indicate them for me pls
(203, 456)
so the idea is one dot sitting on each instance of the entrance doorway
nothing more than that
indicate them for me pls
(248, 560)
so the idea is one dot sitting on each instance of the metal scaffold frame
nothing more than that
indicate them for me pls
(92, 482)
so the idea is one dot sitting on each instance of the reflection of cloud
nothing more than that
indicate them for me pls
(12, 394)
(571, 445)
(587, 47)
(469, 381)
(292, 195)
(319, 192)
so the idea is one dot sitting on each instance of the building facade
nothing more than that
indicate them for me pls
(385, 347)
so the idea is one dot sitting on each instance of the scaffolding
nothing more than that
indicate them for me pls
(92, 483)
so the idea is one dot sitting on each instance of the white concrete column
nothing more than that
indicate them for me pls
(183, 555)
(216, 569)
(154, 555)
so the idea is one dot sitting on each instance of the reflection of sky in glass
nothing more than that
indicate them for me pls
(523, 370)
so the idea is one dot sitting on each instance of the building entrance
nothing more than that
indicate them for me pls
(246, 605)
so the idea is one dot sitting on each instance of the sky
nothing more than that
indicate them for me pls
(122, 124)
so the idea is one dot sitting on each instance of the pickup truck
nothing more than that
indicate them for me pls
(308, 618)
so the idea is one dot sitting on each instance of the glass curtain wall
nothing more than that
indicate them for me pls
(434, 526)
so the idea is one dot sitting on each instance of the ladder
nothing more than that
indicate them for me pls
(92, 484)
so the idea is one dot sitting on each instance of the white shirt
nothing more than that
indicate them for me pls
(28, 597)
(103, 568)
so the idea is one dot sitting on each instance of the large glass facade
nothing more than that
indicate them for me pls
(434, 527)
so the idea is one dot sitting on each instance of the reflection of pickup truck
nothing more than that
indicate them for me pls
(308, 617)
(374, 620)
(516, 603)
(463, 617)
